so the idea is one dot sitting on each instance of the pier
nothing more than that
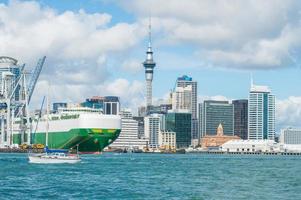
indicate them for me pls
(248, 153)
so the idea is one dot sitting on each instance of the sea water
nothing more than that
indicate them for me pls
(153, 176)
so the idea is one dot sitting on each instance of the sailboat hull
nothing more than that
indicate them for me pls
(47, 159)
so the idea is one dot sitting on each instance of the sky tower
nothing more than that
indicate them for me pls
(149, 66)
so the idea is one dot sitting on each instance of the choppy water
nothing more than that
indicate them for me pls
(153, 176)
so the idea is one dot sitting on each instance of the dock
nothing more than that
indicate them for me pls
(248, 153)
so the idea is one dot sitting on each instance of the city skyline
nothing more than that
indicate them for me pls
(107, 44)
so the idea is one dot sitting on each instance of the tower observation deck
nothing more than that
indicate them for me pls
(149, 66)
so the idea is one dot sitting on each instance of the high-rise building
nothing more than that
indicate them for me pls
(109, 104)
(180, 123)
(181, 98)
(149, 66)
(128, 137)
(213, 113)
(151, 129)
(261, 113)
(184, 82)
(290, 136)
(241, 118)
(160, 109)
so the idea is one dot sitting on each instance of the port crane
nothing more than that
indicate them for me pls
(15, 96)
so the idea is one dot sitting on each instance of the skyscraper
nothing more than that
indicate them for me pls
(213, 113)
(261, 113)
(181, 98)
(109, 104)
(149, 66)
(180, 123)
(151, 129)
(183, 82)
(241, 118)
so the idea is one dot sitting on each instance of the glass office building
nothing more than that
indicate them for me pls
(183, 82)
(261, 113)
(241, 118)
(213, 113)
(181, 124)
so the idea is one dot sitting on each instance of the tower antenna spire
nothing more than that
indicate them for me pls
(252, 81)
(150, 31)
(149, 66)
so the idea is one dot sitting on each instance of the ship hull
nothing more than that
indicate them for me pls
(91, 133)
(88, 140)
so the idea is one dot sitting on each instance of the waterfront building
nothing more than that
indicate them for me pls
(149, 66)
(109, 104)
(129, 135)
(167, 140)
(180, 123)
(261, 113)
(250, 146)
(56, 106)
(241, 118)
(212, 113)
(151, 129)
(215, 141)
(290, 136)
(187, 84)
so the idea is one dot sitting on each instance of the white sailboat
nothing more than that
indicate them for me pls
(53, 156)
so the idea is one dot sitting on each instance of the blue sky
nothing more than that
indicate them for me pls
(212, 80)
(96, 47)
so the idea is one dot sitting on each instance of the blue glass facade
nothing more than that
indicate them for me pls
(265, 116)
(181, 124)
(213, 113)
(261, 114)
(184, 78)
(241, 118)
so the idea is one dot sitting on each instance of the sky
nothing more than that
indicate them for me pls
(96, 47)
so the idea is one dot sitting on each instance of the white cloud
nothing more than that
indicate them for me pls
(78, 46)
(130, 93)
(288, 113)
(251, 34)
(132, 66)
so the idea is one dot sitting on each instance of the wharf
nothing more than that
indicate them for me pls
(19, 150)
(248, 153)
(13, 150)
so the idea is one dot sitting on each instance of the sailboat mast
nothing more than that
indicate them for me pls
(47, 119)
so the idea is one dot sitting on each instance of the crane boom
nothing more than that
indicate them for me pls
(35, 76)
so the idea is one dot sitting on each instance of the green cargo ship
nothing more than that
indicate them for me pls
(88, 128)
